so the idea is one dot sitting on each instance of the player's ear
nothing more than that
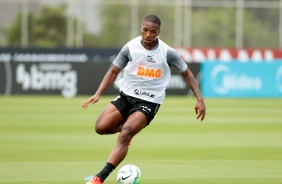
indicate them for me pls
(142, 24)
(159, 32)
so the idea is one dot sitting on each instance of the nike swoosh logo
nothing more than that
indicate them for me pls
(124, 178)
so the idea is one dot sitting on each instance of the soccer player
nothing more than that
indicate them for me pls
(145, 61)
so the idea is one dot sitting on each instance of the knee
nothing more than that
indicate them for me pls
(99, 129)
(125, 135)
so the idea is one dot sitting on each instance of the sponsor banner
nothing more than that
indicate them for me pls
(237, 79)
(227, 55)
(66, 79)
(190, 55)
(66, 72)
(56, 55)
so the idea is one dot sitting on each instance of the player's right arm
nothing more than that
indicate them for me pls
(119, 63)
(107, 81)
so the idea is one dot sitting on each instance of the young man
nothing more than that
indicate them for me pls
(145, 61)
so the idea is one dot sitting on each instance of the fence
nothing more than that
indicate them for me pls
(186, 23)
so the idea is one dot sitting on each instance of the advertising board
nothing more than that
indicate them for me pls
(235, 79)
(66, 72)
(199, 55)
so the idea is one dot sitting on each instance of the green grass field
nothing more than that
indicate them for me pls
(50, 140)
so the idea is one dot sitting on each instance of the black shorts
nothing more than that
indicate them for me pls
(127, 105)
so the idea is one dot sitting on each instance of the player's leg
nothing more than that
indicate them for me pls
(141, 113)
(110, 121)
(134, 124)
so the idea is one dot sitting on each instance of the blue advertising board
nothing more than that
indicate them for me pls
(238, 79)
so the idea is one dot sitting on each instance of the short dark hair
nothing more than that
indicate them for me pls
(153, 18)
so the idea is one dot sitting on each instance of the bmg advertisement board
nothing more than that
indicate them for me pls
(66, 72)
(241, 79)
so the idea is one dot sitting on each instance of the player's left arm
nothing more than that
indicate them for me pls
(200, 107)
(175, 60)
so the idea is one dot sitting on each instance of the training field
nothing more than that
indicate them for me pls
(50, 140)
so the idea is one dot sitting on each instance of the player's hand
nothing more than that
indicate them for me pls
(93, 99)
(200, 109)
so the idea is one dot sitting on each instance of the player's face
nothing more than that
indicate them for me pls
(149, 33)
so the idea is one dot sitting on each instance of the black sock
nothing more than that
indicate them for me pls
(106, 171)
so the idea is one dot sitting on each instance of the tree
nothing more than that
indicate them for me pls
(211, 27)
(116, 24)
(50, 28)
(46, 30)
(261, 28)
(13, 33)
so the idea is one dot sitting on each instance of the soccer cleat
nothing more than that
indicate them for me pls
(95, 180)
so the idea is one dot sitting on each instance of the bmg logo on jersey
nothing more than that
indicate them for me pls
(149, 72)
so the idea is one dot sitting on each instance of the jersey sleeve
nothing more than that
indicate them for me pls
(122, 58)
(173, 59)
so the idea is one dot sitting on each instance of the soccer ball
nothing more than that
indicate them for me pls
(129, 174)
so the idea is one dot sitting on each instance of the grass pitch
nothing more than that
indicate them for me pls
(50, 140)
